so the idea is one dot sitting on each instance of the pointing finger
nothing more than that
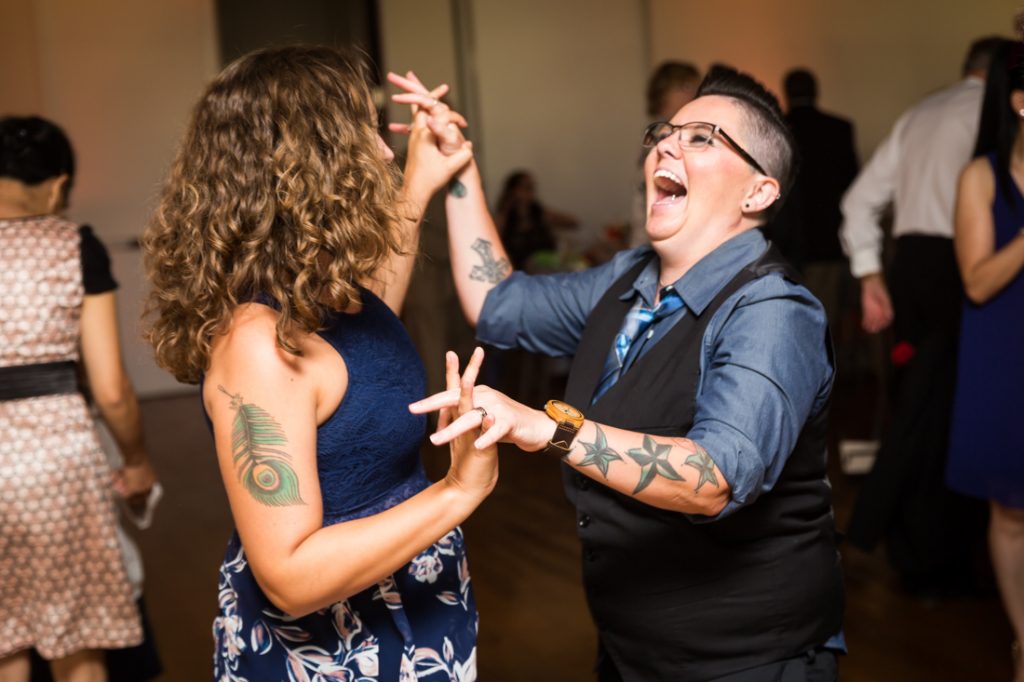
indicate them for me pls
(435, 402)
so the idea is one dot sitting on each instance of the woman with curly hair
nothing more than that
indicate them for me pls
(279, 256)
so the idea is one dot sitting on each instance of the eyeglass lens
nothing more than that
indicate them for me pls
(691, 135)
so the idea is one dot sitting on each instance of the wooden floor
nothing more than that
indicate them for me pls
(524, 560)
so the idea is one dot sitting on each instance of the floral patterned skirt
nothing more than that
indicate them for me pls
(418, 624)
(63, 585)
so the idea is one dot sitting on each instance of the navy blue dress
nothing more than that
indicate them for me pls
(985, 458)
(419, 623)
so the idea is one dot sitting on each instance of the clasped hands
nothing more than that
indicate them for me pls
(437, 147)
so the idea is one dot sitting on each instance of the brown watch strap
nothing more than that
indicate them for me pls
(561, 443)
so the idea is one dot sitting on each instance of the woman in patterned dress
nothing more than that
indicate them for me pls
(279, 256)
(63, 586)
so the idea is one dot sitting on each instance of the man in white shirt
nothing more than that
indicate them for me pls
(916, 167)
(916, 170)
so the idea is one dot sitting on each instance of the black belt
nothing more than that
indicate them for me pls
(30, 381)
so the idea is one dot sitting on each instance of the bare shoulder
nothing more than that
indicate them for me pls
(977, 175)
(248, 354)
(251, 335)
(248, 350)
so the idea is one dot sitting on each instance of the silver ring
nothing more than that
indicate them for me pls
(433, 102)
(483, 413)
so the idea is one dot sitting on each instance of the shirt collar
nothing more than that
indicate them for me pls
(703, 281)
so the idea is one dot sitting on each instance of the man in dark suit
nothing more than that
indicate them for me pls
(807, 230)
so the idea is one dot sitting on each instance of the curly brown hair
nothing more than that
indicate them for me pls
(279, 190)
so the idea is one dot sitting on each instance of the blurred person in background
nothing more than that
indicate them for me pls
(528, 227)
(64, 590)
(905, 499)
(985, 452)
(671, 85)
(807, 228)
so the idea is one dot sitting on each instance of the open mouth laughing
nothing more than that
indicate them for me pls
(668, 187)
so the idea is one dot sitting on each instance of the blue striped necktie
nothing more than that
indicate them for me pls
(638, 320)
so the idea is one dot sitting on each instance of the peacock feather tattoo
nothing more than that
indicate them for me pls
(256, 442)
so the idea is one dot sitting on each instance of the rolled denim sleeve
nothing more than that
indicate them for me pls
(547, 313)
(766, 367)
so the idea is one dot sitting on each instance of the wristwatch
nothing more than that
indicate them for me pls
(569, 421)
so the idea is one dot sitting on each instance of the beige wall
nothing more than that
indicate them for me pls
(874, 58)
(559, 91)
(19, 78)
(121, 76)
(417, 35)
(561, 94)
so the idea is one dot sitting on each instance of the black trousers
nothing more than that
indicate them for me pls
(927, 294)
(820, 665)
(928, 529)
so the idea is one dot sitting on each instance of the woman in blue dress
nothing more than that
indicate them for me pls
(279, 256)
(987, 442)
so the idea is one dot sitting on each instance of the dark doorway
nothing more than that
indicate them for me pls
(246, 25)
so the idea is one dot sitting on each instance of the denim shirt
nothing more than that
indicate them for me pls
(765, 363)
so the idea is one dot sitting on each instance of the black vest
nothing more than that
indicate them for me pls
(679, 600)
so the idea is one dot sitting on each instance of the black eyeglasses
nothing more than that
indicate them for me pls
(696, 135)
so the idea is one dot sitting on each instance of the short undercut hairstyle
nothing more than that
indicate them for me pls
(768, 138)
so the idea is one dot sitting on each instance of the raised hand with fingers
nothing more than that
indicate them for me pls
(474, 469)
(437, 149)
(444, 123)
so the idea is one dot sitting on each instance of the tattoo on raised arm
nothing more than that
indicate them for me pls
(256, 449)
(456, 188)
(653, 461)
(598, 453)
(703, 463)
(491, 270)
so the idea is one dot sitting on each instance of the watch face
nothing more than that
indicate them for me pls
(566, 409)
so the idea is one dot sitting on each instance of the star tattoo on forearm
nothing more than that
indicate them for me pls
(491, 270)
(702, 462)
(653, 461)
(456, 188)
(598, 453)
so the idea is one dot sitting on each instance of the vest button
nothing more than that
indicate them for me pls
(582, 482)
(590, 555)
(584, 521)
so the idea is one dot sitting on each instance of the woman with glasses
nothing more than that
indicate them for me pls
(985, 457)
(692, 430)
